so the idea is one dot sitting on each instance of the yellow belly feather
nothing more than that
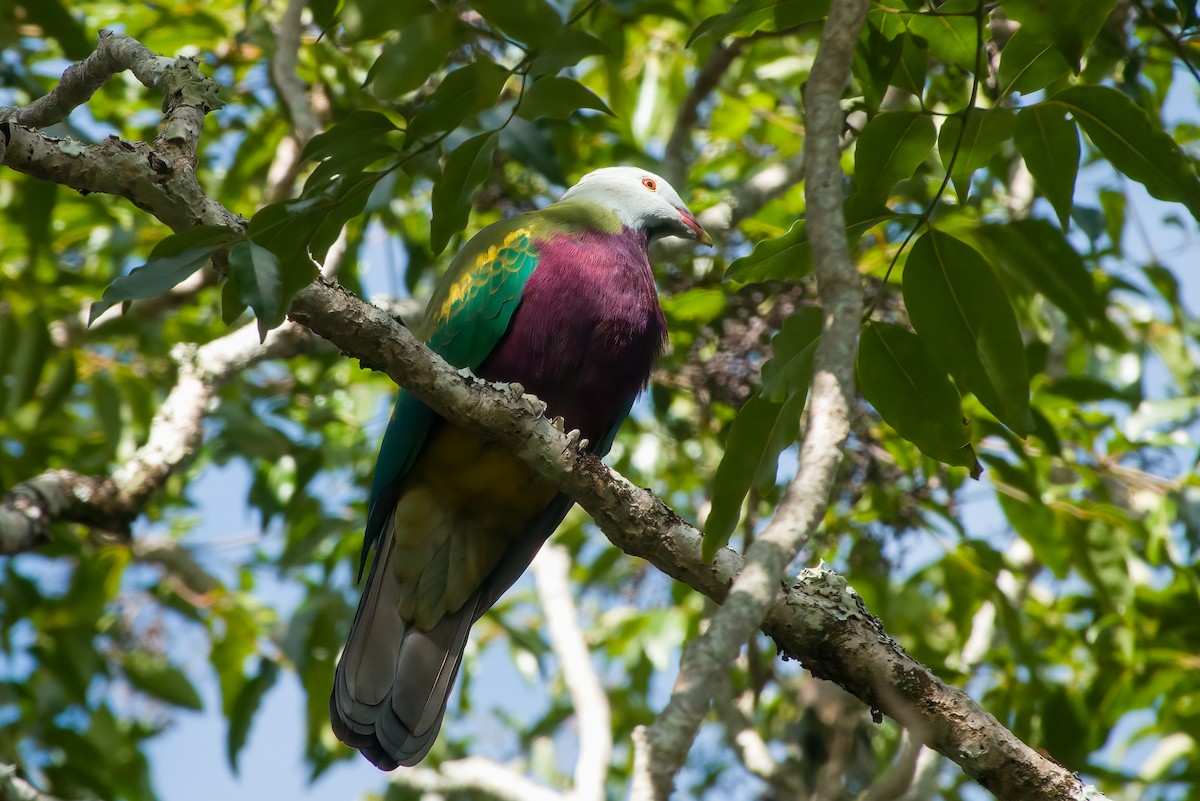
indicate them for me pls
(466, 500)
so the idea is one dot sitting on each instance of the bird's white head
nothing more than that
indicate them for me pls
(640, 200)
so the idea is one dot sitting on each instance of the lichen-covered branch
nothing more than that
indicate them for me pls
(114, 53)
(132, 170)
(160, 179)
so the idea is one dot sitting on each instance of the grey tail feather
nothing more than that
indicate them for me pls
(393, 680)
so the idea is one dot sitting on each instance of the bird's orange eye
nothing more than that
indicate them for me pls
(650, 184)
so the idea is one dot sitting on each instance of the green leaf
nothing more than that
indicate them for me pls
(1049, 143)
(531, 146)
(1028, 64)
(695, 305)
(29, 354)
(890, 24)
(876, 58)
(1112, 208)
(418, 51)
(10, 338)
(370, 19)
(784, 258)
(1187, 12)
(172, 260)
(910, 72)
(154, 675)
(566, 49)
(984, 131)
(36, 211)
(345, 200)
(912, 394)
(200, 236)
(789, 370)
(466, 168)
(249, 699)
(347, 137)
(1038, 253)
(291, 228)
(534, 22)
(759, 433)
(1020, 499)
(962, 314)
(890, 148)
(286, 227)
(57, 22)
(322, 180)
(59, 387)
(558, 98)
(464, 92)
(257, 273)
(952, 39)
(1135, 144)
(232, 304)
(789, 257)
(1070, 24)
(1101, 554)
(747, 16)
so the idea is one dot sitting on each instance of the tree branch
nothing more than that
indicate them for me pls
(898, 778)
(132, 170)
(284, 65)
(112, 503)
(476, 776)
(592, 713)
(160, 179)
(675, 155)
(114, 53)
(14, 788)
(281, 176)
(750, 747)
(800, 512)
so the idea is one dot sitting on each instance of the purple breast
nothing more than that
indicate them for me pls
(587, 331)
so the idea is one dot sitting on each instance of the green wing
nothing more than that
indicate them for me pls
(473, 303)
(468, 313)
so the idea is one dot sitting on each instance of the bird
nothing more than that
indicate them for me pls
(562, 301)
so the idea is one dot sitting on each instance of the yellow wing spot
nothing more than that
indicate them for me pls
(488, 265)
